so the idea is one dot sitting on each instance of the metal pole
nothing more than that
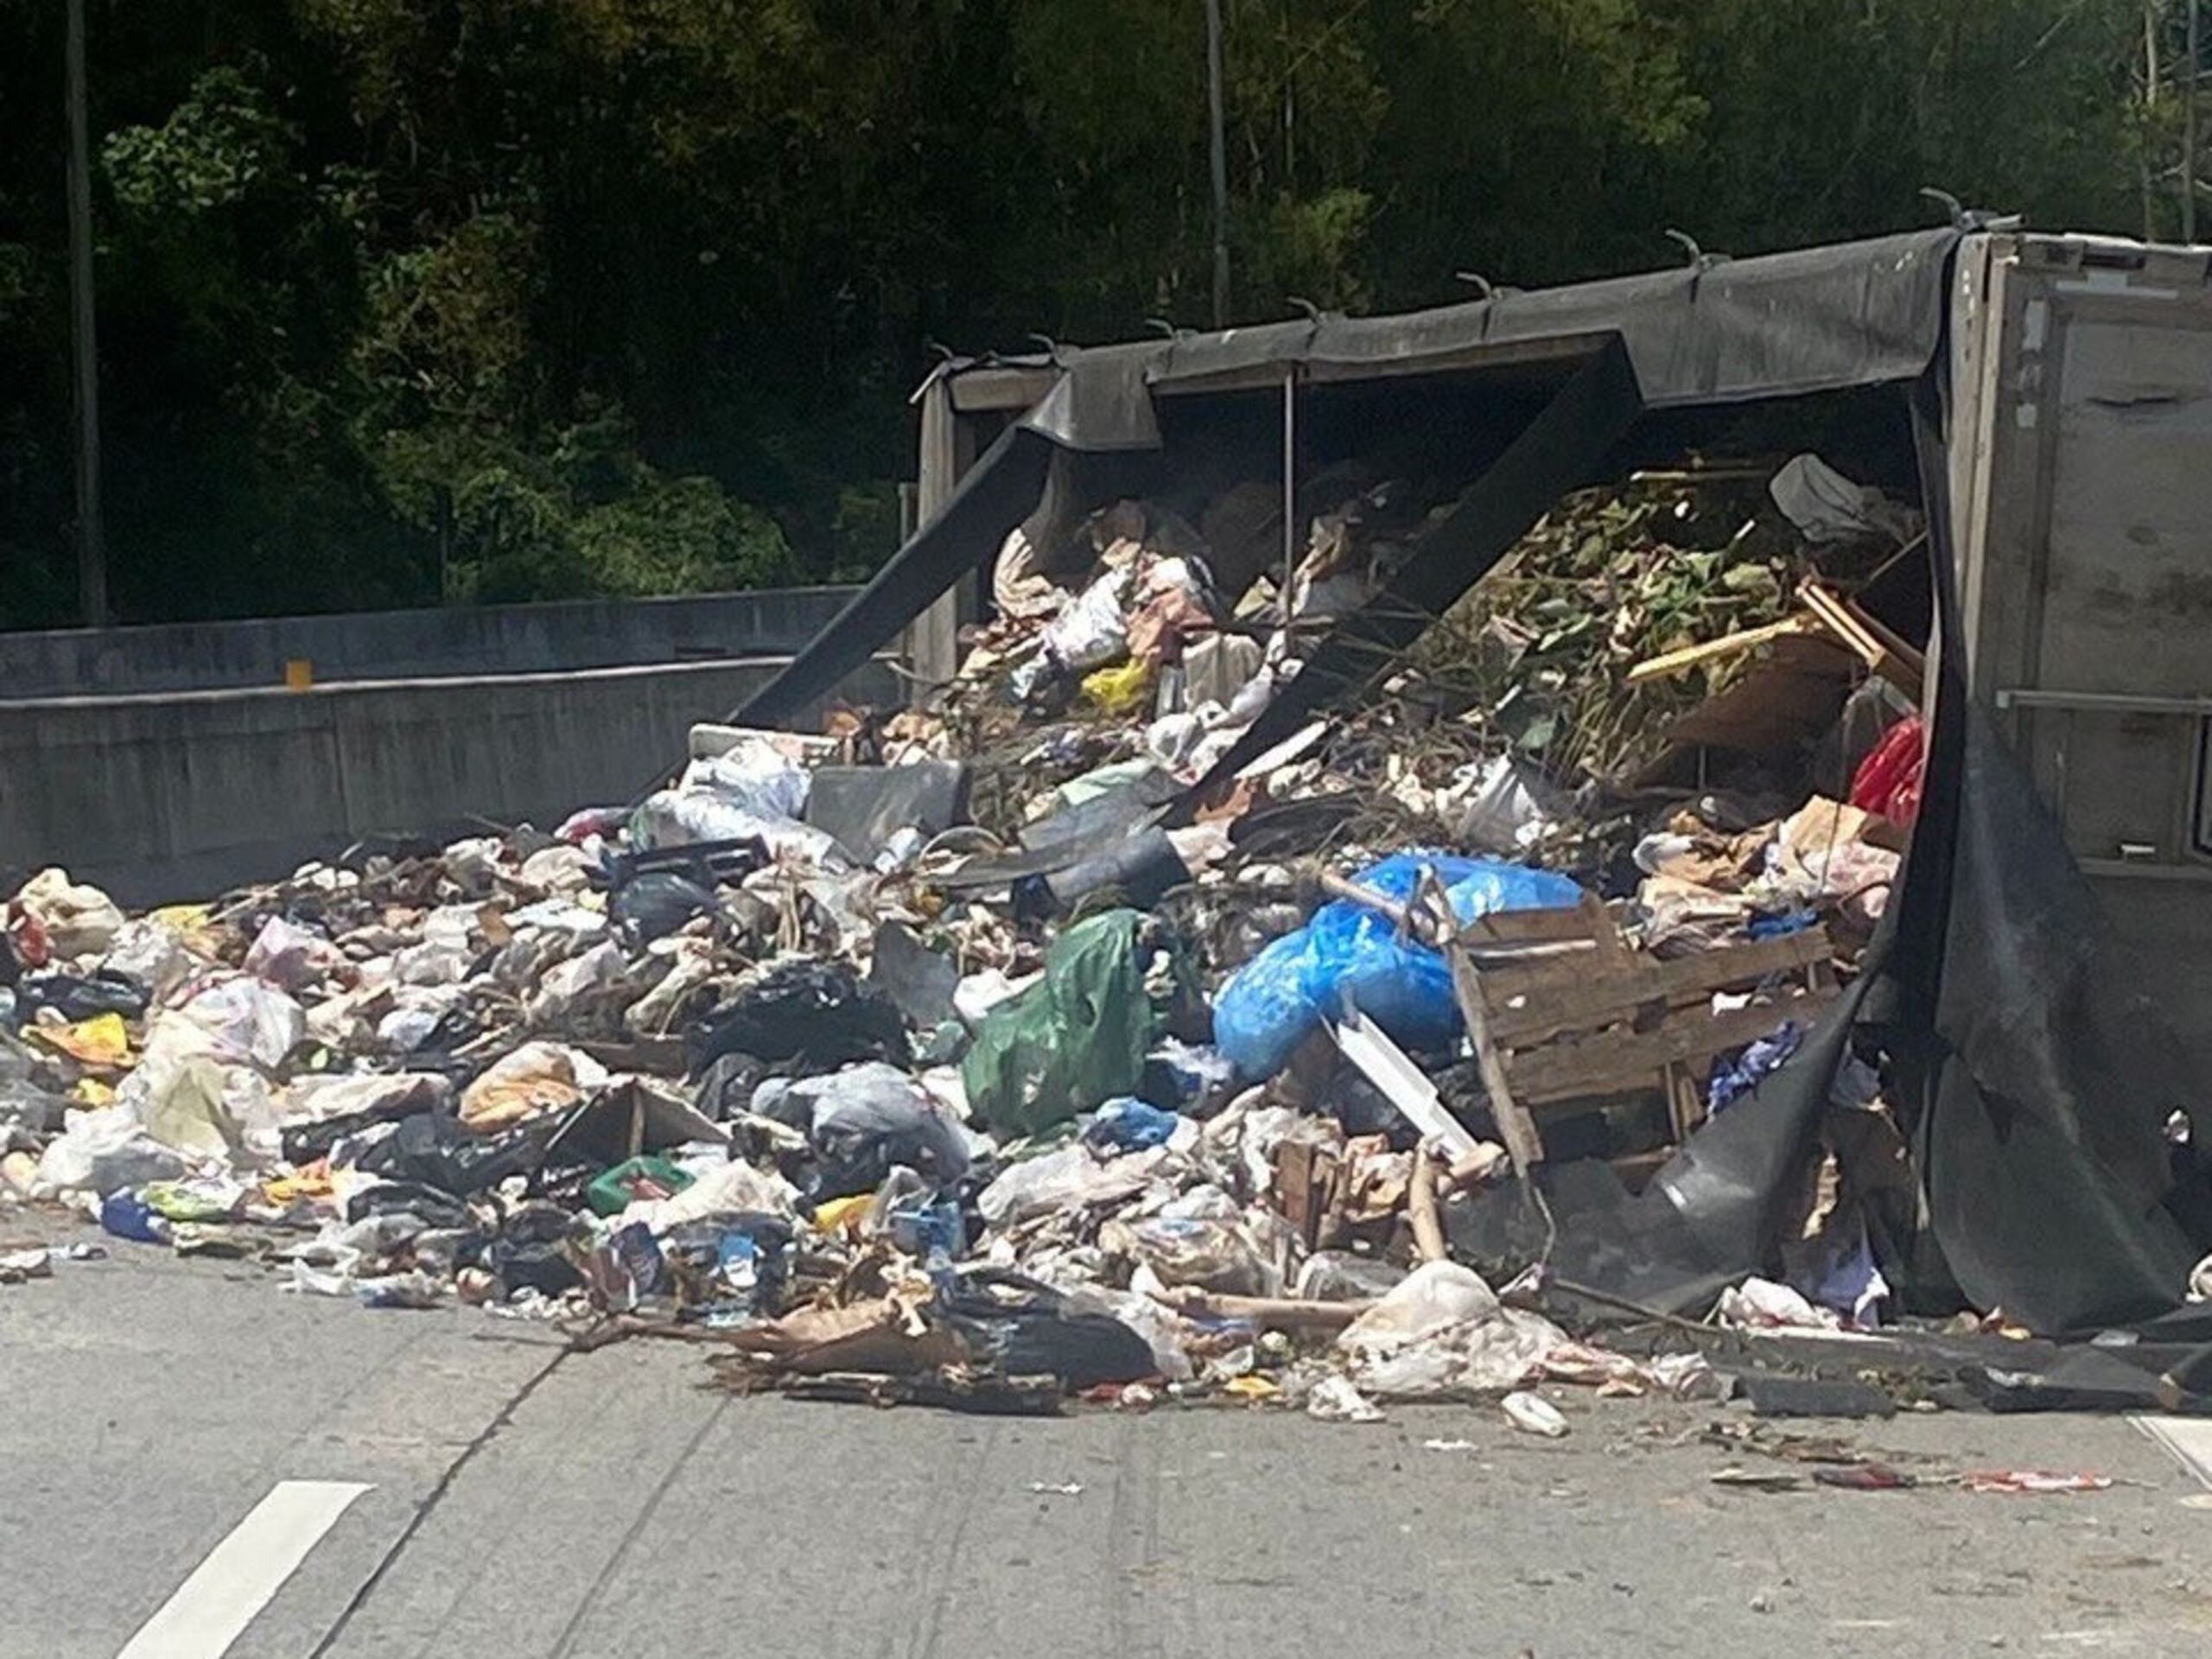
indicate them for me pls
(1289, 485)
(1218, 145)
(2146, 147)
(92, 552)
(2188, 127)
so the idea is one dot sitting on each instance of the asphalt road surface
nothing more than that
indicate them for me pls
(199, 1465)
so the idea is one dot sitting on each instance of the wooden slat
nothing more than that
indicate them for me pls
(1894, 658)
(1675, 662)
(1529, 1004)
(1612, 950)
(1685, 1101)
(1614, 1062)
(1514, 1127)
(1551, 927)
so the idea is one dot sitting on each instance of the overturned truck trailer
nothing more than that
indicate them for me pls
(2038, 1001)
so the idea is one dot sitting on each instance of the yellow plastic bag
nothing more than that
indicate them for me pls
(104, 1040)
(1120, 691)
(842, 1215)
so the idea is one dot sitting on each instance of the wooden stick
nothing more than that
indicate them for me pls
(1420, 1209)
(612, 1328)
(1269, 1313)
(1668, 663)
(1344, 888)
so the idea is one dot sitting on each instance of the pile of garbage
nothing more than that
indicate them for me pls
(957, 1056)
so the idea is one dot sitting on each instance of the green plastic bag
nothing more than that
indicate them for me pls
(1074, 1040)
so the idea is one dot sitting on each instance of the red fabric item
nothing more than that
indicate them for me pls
(1887, 782)
(27, 934)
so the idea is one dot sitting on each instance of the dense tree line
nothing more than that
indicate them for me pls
(405, 300)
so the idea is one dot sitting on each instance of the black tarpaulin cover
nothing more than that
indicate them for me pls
(1860, 313)
(2038, 1096)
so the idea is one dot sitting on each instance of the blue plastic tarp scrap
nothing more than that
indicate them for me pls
(1348, 956)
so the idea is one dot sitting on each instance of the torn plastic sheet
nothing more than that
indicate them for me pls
(2036, 1103)
(1709, 1215)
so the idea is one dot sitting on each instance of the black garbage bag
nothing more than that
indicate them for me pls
(536, 1222)
(549, 1269)
(82, 996)
(433, 1149)
(41, 1111)
(808, 1010)
(919, 980)
(1014, 1327)
(439, 1051)
(654, 905)
(726, 1088)
(703, 861)
(428, 1205)
(533, 1250)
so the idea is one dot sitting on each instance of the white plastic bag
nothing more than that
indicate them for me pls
(1067, 1179)
(1761, 1304)
(1429, 1301)
(102, 1151)
(1210, 1254)
(1444, 1332)
(1335, 1401)
(683, 818)
(386, 1095)
(79, 920)
(558, 869)
(289, 956)
(574, 991)
(753, 774)
(249, 1020)
(727, 1189)
(1500, 806)
(1092, 632)
(1829, 507)
(154, 954)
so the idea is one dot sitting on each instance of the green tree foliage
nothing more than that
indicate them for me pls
(406, 301)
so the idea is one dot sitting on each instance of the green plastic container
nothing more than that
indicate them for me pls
(650, 1177)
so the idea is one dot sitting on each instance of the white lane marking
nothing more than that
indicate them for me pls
(212, 1607)
(2187, 1440)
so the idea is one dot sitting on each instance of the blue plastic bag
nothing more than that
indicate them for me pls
(1130, 1125)
(1350, 956)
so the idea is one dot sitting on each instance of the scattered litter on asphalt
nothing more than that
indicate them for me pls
(1534, 1415)
(997, 1052)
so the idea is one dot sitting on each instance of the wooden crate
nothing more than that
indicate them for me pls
(1587, 1019)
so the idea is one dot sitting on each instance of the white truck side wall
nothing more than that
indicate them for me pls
(2082, 479)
